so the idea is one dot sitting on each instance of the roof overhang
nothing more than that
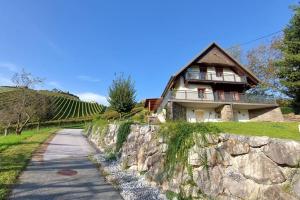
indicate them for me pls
(170, 83)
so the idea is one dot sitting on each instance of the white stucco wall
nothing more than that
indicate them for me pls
(241, 115)
(192, 90)
(209, 115)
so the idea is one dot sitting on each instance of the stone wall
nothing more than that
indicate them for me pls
(237, 167)
(266, 114)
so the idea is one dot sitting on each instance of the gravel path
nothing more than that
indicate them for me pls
(68, 154)
(132, 185)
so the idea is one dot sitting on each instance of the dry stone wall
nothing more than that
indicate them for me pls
(237, 167)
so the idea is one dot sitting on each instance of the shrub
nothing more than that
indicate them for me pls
(123, 132)
(110, 115)
(122, 94)
(110, 155)
(180, 137)
(286, 110)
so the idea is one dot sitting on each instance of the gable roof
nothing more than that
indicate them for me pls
(207, 56)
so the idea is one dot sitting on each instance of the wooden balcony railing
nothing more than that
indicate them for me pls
(223, 97)
(213, 77)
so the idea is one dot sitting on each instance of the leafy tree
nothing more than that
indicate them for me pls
(261, 60)
(289, 66)
(122, 94)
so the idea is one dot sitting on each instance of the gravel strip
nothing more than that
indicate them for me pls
(132, 186)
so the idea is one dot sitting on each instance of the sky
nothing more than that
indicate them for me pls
(80, 45)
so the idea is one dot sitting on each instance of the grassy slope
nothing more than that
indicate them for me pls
(284, 130)
(15, 152)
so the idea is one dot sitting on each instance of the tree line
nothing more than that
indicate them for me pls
(277, 63)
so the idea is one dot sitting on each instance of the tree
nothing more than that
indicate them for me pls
(122, 94)
(25, 80)
(6, 118)
(261, 61)
(289, 65)
(236, 52)
(26, 102)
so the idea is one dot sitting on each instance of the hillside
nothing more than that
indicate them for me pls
(63, 105)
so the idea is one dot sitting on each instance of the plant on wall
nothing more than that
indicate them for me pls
(180, 137)
(123, 132)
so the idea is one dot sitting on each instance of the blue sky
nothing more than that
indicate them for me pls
(78, 46)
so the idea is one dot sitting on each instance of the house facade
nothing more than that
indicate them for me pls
(213, 87)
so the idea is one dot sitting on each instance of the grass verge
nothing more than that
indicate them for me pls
(283, 130)
(15, 153)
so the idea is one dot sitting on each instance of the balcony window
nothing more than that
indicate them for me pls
(236, 96)
(220, 95)
(203, 72)
(201, 94)
(219, 71)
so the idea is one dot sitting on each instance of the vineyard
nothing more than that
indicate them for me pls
(66, 108)
(62, 106)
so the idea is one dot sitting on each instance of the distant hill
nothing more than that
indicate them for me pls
(64, 105)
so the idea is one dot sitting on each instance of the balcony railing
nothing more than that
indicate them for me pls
(213, 77)
(233, 97)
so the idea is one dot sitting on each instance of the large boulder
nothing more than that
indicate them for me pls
(211, 155)
(196, 155)
(209, 180)
(258, 141)
(276, 193)
(237, 186)
(141, 158)
(257, 167)
(283, 152)
(296, 185)
(235, 147)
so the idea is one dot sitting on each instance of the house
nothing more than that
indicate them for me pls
(212, 87)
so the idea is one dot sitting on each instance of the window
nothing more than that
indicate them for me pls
(236, 96)
(203, 71)
(220, 95)
(219, 71)
(201, 93)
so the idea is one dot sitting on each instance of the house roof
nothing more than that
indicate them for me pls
(152, 103)
(201, 55)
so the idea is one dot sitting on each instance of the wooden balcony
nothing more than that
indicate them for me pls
(228, 97)
(213, 77)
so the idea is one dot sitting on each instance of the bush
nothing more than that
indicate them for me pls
(110, 155)
(123, 132)
(110, 115)
(287, 110)
(180, 137)
(122, 94)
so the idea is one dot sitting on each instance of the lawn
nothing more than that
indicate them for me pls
(15, 152)
(284, 130)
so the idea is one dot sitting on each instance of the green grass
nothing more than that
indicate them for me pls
(15, 152)
(283, 130)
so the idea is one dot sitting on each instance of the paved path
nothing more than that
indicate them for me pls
(68, 150)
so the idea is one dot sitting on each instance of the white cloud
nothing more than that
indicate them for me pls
(9, 66)
(88, 78)
(90, 96)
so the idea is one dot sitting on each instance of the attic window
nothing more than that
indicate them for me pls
(219, 71)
